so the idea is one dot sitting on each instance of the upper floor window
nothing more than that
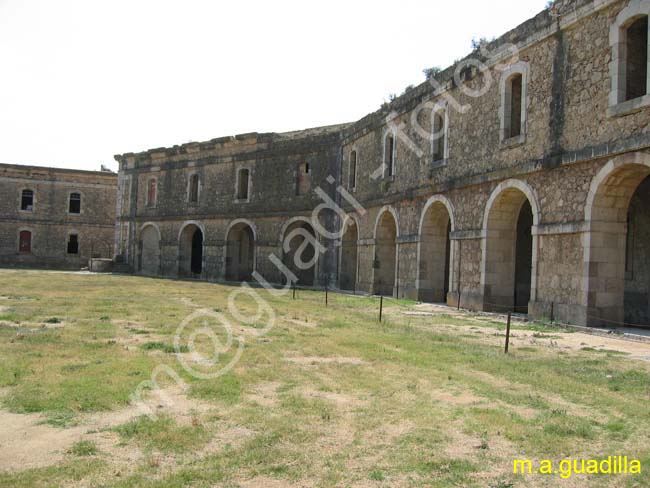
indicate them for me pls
(193, 193)
(152, 186)
(25, 242)
(389, 154)
(513, 102)
(243, 177)
(303, 179)
(636, 59)
(628, 38)
(74, 206)
(439, 138)
(27, 200)
(73, 244)
(352, 177)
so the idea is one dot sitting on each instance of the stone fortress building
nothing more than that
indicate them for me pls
(55, 218)
(517, 179)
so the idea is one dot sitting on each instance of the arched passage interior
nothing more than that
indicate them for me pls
(240, 253)
(435, 254)
(385, 263)
(508, 272)
(618, 263)
(349, 248)
(299, 252)
(191, 251)
(149, 262)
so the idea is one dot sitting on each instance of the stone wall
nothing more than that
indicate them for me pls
(430, 221)
(48, 220)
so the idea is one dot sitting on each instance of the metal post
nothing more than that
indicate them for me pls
(552, 311)
(293, 286)
(508, 332)
(326, 295)
(381, 305)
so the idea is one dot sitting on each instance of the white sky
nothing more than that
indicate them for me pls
(82, 80)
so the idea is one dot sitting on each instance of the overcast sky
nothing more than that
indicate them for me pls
(82, 80)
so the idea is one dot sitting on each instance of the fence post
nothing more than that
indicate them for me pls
(381, 305)
(293, 287)
(326, 295)
(552, 312)
(508, 332)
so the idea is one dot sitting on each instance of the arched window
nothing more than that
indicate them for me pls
(27, 200)
(636, 59)
(193, 194)
(439, 135)
(513, 106)
(389, 154)
(73, 244)
(151, 192)
(513, 103)
(243, 177)
(25, 242)
(628, 39)
(74, 206)
(352, 177)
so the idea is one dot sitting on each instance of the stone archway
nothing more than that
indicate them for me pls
(149, 262)
(240, 252)
(299, 251)
(617, 253)
(435, 250)
(509, 260)
(190, 259)
(385, 262)
(349, 255)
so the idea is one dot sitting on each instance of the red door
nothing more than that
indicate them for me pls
(25, 245)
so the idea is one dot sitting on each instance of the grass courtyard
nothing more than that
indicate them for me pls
(327, 397)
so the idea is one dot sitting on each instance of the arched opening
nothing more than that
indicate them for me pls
(299, 252)
(435, 254)
(149, 247)
(191, 251)
(523, 257)
(240, 253)
(385, 255)
(618, 246)
(349, 249)
(507, 276)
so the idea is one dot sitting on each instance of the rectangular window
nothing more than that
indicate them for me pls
(515, 105)
(353, 170)
(75, 203)
(73, 244)
(27, 200)
(151, 193)
(242, 187)
(25, 242)
(439, 134)
(194, 189)
(389, 156)
(637, 59)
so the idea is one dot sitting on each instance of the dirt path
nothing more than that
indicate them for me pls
(560, 340)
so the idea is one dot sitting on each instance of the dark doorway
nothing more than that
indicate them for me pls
(523, 258)
(637, 258)
(196, 265)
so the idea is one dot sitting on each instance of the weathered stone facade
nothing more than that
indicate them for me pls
(55, 218)
(521, 200)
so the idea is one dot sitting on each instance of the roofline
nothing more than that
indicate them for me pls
(260, 137)
(51, 169)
